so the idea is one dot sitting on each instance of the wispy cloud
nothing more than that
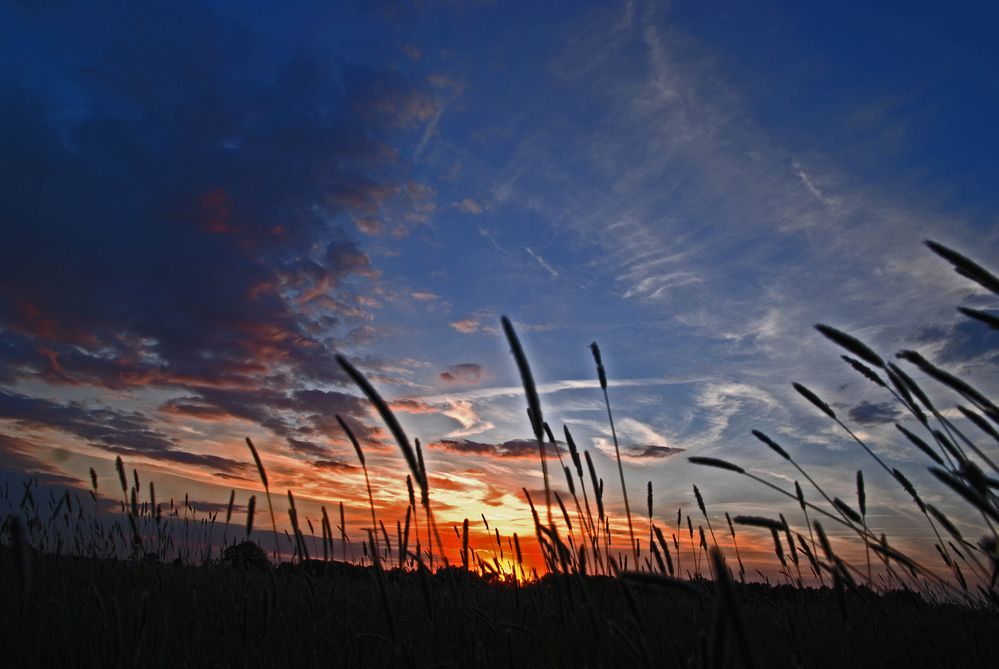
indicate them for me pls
(810, 185)
(468, 206)
(428, 132)
(486, 321)
(541, 261)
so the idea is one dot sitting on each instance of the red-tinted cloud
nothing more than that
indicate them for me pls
(465, 373)
(514, 448)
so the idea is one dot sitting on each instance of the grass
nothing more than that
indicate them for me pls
(99, 613)
(152, 585)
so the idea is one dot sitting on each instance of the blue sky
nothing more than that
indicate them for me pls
(204, 203)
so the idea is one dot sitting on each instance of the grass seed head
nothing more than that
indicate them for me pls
(697, 496)
(352, 438)
(847, 511)
(851, 344)
(965, 266)
(715, 462)
(774, 446)
(866, 371)
(573, 451)
(260, 465)
(387, 417)
(861, 494)
(251, 507)
(601, 374)
(814, 399)
(759, 521)
(533, 403)
(120, 467)
(921, 445)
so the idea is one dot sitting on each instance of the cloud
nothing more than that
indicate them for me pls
(362, 334)
(650, 452)
(414, 406)
(492, 241)
(334, 465)
(151, 245)
(23, 459)
(723, 401)
(460, 411)
(638, 442)
(121, 432)
(469, 206)
(468, 418)
(464, 373)
(306, 447)
(514, 448)
(428, 132)
(482, 322)
(368, 225)
(541, 261)
(177, 226)
(563, 385)
(869, 413)
(970, 340)
(810, 185)
(301, 416)
(105, 427)
(468, 325)
(412, 51)
(962, 342)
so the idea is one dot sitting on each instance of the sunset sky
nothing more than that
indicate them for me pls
(202, 203)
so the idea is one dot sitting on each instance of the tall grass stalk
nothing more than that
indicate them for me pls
(416, 467)
(602, 378)
(267, 490)
(533, 405)
(364, 467)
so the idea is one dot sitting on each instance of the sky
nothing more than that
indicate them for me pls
(203, 203)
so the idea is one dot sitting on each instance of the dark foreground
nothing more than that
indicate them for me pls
(83, 612)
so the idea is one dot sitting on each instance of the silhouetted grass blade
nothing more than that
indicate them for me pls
(851, 344)
(965, 267)
(387, 417)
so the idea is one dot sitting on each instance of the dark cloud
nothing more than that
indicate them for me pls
(232, 477)
(128, 433)
(202, 460)
(293, 415)
(515, 448)
(220, 508)
(965, 341)
(171, 195)
(463, 373)
(651, 452)
(970, 340)
(307, 447)
(362, 335)
(929, 334)
(20, 460)
(106, 427)
(334, 465)
(869, 413)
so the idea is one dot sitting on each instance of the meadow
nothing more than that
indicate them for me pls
(110, 579)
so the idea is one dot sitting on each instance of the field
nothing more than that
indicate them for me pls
(86, 612)
(101, 613)
(138, 584)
